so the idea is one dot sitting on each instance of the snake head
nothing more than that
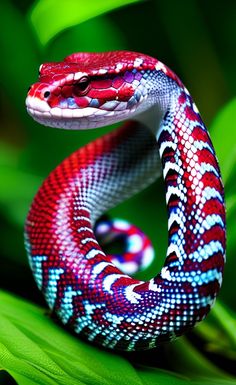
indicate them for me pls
(88, 90)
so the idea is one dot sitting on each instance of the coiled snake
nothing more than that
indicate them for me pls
(81, 284)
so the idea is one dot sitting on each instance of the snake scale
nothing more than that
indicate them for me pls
(163, 132)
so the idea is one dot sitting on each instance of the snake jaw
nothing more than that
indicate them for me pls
(37, 105)
(75, 118)
(63, 104)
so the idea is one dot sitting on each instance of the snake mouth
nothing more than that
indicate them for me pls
(72, 102)
(72, 118)
(38, 108)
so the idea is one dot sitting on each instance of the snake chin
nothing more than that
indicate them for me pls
(79, 118)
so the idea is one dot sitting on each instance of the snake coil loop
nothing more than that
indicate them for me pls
(165, 132)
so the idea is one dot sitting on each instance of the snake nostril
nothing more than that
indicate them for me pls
(46, 94)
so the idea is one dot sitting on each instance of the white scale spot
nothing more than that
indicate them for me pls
(102, 71)
(138, 61)
(126, 267)
(121, 224)
(148, 256)
(153, 287)
(165, 273)
(87, 240)
(131, 295)
(100, 267)
(92, 253)
(110, 279)
(103, 228)
(161, 67)
(134, 243)
(119, 66)
(79, 75)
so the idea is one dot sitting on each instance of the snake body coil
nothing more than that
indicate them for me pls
(80, 283)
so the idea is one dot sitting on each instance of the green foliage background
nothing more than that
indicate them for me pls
(197, 40)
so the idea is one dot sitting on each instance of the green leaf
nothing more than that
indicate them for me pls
(17, 45)
(33, 347)
(220, 330)
(231, 235)
(49, 13)
(195, 364)
(149, 377)
(227, 294)
(80, 38)
(34, 350)
(223, 133)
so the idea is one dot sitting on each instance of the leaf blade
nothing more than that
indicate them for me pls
(223, 135)
(34, 346)
(49, 12)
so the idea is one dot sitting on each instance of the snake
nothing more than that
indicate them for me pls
(163, 135)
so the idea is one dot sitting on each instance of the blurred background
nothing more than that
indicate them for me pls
(197, 39)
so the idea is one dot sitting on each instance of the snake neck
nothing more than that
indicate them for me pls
(194, 197)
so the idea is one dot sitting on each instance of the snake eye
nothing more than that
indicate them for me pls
(82, 86)
(46, 94)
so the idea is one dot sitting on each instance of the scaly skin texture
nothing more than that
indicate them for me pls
(80, 283)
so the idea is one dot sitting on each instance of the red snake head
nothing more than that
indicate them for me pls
(92, 89)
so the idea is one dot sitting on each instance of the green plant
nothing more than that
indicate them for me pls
(33, 348)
